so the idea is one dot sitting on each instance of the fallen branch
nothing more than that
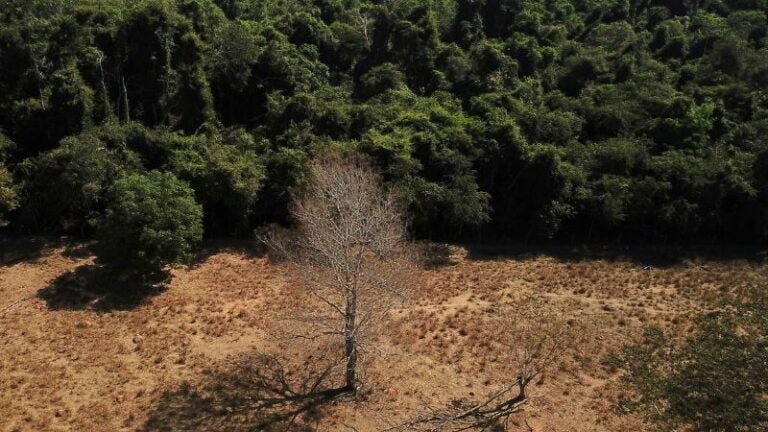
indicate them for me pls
(478, 417)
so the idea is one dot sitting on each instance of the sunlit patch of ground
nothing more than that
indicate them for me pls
(173, 358)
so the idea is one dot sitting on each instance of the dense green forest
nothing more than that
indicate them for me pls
(585, 120)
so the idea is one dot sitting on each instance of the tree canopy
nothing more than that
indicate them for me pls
(151, 220)
(518, 119)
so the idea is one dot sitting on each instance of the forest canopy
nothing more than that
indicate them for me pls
(587, 120)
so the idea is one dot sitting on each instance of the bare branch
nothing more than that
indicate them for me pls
(349, 250)
(534, 341)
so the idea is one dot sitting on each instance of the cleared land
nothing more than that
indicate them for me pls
(204, 353)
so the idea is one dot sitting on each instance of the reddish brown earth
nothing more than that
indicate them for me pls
(192, 356)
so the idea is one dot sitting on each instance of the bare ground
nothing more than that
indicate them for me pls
(82, 352)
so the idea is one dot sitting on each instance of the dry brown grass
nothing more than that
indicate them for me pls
(87, 369)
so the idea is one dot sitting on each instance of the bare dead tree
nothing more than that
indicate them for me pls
(41, 65)
(99, 60)
(350, 250)
(533, 341)
(364, 21)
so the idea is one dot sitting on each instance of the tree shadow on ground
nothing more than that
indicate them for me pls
(647, 256)
(249, 248)
(101, 289)
(436, 255)
(253, 393)
(76, 250)
(15, 249)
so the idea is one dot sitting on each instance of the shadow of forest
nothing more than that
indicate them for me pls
(661, 256)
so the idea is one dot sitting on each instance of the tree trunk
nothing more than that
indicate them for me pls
(521, 384)
(591, 227)
(350, 341)
(105, 93)
(126, 105)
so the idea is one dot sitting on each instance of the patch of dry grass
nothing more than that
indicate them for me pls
(80, 369)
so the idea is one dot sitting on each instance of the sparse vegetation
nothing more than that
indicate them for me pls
(714, 380)
(531, 342)
(120, 367)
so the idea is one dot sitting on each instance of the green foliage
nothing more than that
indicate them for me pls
(151, 221)
(425, 146)
(8, 195)
(6, 147)
(9, 199)
(164, 65)
(65, 189)
(715, 380)
(380, 79)
(287, 169)
(589, 120)
(226, 174)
